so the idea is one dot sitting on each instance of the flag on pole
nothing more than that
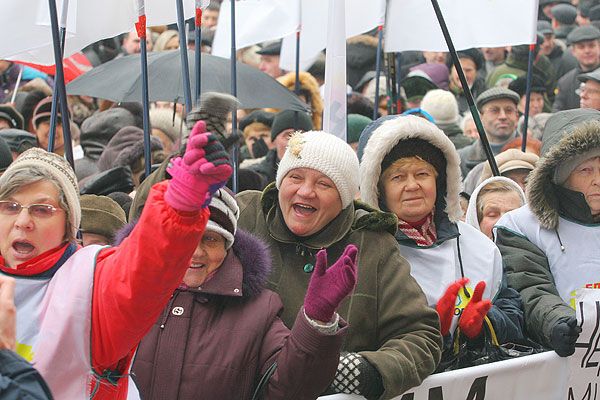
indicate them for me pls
(361, 16)
(471, 23)
(334, 118)
(258, 21)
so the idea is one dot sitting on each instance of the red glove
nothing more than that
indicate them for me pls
(471, 320)
(329, 286)
(447, 303)
(203, 169)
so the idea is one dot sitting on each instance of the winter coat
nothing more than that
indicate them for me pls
(460, 250)
(456, 136)
(131, 285)
(267, 167)
(479, 86)
(392, 326)
(550, 246)
(19, 380)
(215, 342)
(566, 98)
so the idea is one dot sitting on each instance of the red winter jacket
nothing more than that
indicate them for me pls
(133, 283)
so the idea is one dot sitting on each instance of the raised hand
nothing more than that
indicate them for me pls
(329, 286)
(471, 319)
(447, 303)
(203, 169)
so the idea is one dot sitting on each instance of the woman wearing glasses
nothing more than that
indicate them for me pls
(82, 311)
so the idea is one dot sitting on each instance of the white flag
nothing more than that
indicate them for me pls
(334, 118)
(361, 16)
(27, 24)
(256, 21)
(471, 23)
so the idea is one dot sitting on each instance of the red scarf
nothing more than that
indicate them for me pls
(422, 232)
(36, 265)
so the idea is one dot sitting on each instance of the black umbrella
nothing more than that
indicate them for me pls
(120, 80)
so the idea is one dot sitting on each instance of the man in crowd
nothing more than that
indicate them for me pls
(589, 91)
(562, 60)
(585, 42)
(269, 59)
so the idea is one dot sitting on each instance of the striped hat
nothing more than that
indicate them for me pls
(224, 214)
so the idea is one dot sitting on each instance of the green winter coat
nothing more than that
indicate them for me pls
(391, 324)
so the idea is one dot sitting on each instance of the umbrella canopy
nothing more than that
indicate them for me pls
(120, 80)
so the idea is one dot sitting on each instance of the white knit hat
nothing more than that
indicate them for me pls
(60, 170)
(327, 154)
(442, 106)
(169, 123)
(224, 214)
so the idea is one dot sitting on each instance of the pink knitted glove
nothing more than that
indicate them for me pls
(203, 169)
(329, 286)
(471, 319)
(447, 303)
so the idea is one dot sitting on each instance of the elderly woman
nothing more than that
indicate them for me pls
(82, 311)
(394, 342)
(493, 198)
(411, 168)
(550, 246)
(221, 330)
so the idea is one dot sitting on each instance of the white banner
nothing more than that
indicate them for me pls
(334, 116)
(27, 24)
(544, 376)
(361, 16)
(256, 21)
(471, 23)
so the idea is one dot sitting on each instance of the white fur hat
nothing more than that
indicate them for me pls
(327, 154)
(442, 106)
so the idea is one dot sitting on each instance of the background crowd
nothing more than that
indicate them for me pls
(357, 266)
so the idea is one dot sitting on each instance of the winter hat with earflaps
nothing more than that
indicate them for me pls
(213, 110)
(59, 169)
(327, 154)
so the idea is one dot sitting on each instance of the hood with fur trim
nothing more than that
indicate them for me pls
(542, 193)
(310, 84)
(377, 140)
(252, 253)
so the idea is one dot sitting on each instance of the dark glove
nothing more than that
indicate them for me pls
(329, 286)
(259, 148)
(447, 303)
(564, 335)
(356, 375)
(471, 319)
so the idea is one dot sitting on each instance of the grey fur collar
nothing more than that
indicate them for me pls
(543, 199)
(386, 136)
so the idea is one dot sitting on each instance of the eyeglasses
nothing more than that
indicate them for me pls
(590, 91)
(508, 111)
(35, 210)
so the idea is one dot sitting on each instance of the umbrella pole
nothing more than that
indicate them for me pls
(17, 83)
(54, 106)
(377, 70)
(528, 96)
(198, 51)
(185, 66)
(236, 147)
(297, 83)
(140, 26)
(60, 84)
(463, 81)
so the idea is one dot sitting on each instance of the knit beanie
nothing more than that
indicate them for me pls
(442, 106)
(327, 154)
(57, 167)
(290, 119)
(213, 110)
(167, 122)
(356, 124)
(101, 215)
(224, 214)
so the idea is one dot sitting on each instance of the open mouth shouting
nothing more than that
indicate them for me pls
(304, 209)
(22, 249)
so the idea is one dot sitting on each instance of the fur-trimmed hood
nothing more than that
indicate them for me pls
(249, 250)
(378, 139)
(309, 83)
(542, 192)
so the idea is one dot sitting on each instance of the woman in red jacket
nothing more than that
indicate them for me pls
(82, 311)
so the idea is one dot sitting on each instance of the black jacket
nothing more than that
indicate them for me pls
(19, 380)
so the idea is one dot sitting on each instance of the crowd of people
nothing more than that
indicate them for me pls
(357, 266)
